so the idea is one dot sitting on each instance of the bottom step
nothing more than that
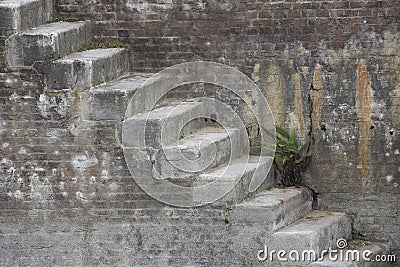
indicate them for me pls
(318, 231)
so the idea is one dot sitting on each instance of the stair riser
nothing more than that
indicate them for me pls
(24, 49)
(273, 210)
(110, 102)
(250, 237)
(106, 105)
(277, 217)
(16, 17)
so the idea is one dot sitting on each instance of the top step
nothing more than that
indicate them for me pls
(19, 15)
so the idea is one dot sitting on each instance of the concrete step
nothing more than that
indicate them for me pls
(273, 209)
(109, 102)
(318, 231)
(46, 42)
(357, 253)
(198, 152)
(254, 220)
(86, 69)
(162, 125)
(20, 15)
(239, 169)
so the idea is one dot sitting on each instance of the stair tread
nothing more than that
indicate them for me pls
(201, 138)
(237, 175)
(276, 207)
(131, 82)
(54, 28)
(270, 210)
(93, 54)
(314, 221)
(273, 197)
(164, 111)
(228, 171)
(233, 169)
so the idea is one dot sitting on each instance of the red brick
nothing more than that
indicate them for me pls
(265, 14)
(351, 21)
(209, 23)
(263, 23)
(363, 4)
(180, 24)
(252, 14)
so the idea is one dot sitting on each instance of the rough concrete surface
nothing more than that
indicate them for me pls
(329, 69)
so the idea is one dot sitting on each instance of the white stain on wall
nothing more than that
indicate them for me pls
(80, 162)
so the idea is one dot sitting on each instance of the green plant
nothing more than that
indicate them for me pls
(291, 158)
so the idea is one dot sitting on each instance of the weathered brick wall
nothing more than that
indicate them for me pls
(52, 160)
(162, 33)
(68, 199)
(334, 65)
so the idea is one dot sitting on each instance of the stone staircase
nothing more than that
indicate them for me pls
(54, 48)
(282, 219)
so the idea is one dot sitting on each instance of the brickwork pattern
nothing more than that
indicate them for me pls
(295, 51)
(165, 32)
(332, 65)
